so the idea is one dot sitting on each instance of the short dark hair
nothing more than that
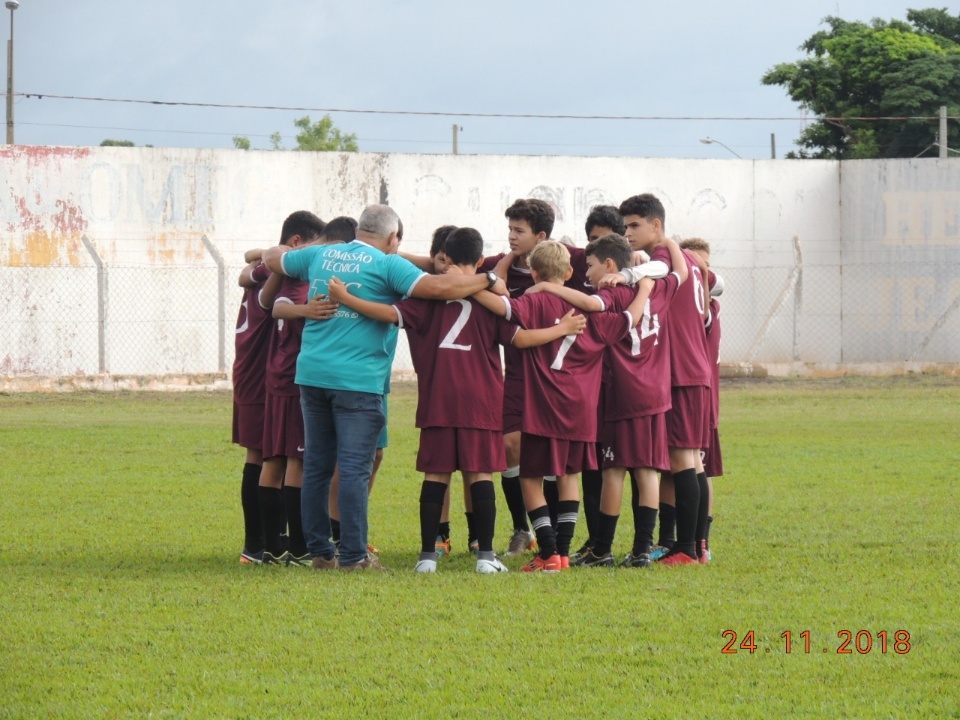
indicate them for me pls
(646, 206)
(464, 246)
(538, 214)
(303, 223)
(341, 229)
(605, 216)
(439, 237)
(613, 247)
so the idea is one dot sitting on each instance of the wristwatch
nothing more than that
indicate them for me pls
(492, 278)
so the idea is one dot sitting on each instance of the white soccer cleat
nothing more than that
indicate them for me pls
(425, 566)
(489, 567)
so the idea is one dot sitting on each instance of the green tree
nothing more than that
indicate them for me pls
(323, 135)
(241, 142)
(884, 69)
(117, 143)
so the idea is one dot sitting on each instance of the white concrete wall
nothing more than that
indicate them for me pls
(827, 263)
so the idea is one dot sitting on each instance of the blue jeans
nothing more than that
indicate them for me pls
(340, 427)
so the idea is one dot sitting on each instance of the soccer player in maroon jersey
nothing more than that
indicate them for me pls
(603, 220)
(688, 418)
(561, 384)
(254, 325)
(283, 440)
(636, 398)
(249, 365)
(449, 342)
(712, 456)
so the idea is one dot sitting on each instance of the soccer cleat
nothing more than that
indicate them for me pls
(442, 546)
(640, 560)
(489, 567)
(591, 560)
(297, 560)
(474, 547)
(704, 553)
(538, 564)
(520, 542)
(425, 566)
(587, 547)
(251, 557)
(564, 562)
(657, 552)
(371, 550)
(271, 559)
(678, 558)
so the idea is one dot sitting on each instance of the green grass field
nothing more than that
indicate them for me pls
(121, 594)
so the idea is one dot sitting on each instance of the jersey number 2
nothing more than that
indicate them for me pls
(448, 342)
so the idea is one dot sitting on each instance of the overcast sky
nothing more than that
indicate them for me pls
(641, 58)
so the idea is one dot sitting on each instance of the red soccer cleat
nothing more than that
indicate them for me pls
(538, 564)
(678, 558)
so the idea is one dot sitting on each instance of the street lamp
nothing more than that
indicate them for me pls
(710, 141)
(11, 5)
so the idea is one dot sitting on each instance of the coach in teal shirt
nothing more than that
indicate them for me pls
(343, 366)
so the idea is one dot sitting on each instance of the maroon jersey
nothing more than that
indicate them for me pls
(713, 346)
(561, 380)
(519, 280)
(639, 365)
(252, 335)
(455, 348)
(285, 341)
(689, 361)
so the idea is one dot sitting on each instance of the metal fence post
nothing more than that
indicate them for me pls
(221, 302)
(101, 305)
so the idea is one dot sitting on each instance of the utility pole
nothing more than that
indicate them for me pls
(456, 129)
(942, 140)
(11, 6)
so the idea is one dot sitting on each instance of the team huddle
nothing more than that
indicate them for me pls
(609, 366)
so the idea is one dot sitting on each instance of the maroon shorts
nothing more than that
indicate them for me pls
(282, 427)
(637, 443)
(445, 450)
(512, 405)
(248, 425)
(688, 421)
(541, 456)
(712, 459)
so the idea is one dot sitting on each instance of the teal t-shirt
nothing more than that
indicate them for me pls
(350, 351)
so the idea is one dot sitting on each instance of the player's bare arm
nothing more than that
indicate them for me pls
(268, 294)
(569, 324)
(503, 267)
(451, 286)
(424, 262)
(273, 258)
(340, 293)
(644, 288)
(581, 301)
(677, 259)
(246, 275)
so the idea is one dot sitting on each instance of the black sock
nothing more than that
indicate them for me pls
(688, 507)
(335, 531)
(471, 530)
(271, 518)
(552, 495)
(668, 526)
(252, 528)
(291, 504)
(644, 520)
(605, 534)
(431, 508)
(592, 482)
(514, 497)
(709, 525)
(703, 510)
(484, 513)
(444, 530)
(566, 524)
(546, 535)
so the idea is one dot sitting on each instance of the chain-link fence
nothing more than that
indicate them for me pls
(136, 320)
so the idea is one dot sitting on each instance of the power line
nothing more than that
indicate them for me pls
(432, 113)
